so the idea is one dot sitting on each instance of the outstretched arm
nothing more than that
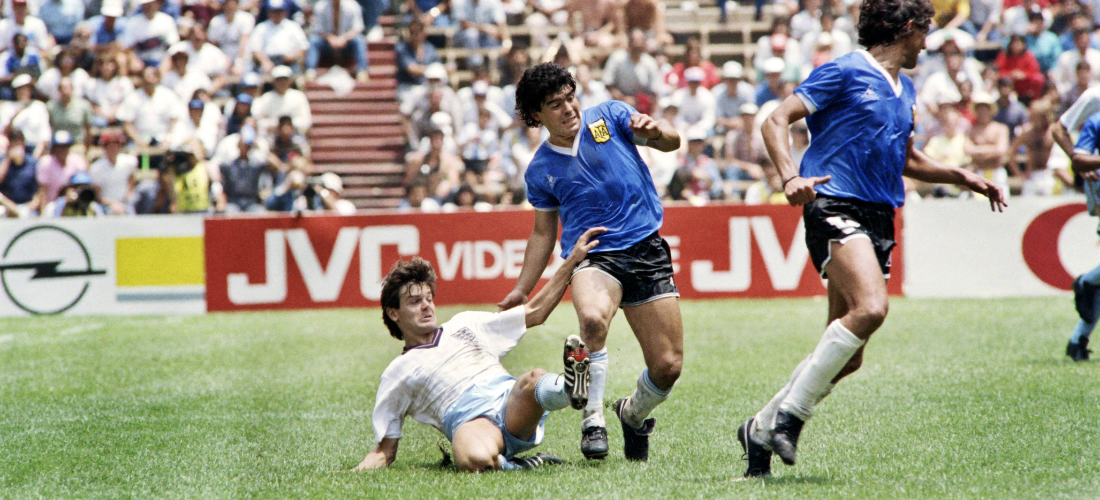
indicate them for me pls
(922, 168)
(382, 455)
(544, 302)
(540, 246)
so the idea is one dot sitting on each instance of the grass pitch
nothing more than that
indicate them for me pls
(956, 399)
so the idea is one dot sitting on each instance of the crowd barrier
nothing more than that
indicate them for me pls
(180, 264)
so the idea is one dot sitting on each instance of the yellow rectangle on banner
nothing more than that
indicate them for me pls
(160, 261)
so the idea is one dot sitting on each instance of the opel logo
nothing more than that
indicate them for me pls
(46, 270)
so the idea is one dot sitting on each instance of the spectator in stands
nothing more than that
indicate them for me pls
(590, 92)
(106, 30)
(240, 115)
(251, 84)
(948, 145)
(286, 145)
(1064, 72)
(988, 141)
(28, 116)
(769, 189)
(778, 43)
(1019, 64)
(985, 20)
(770, 88)
(149, 113)
(693, 58)
(282, 101)
(61, 18)
(480, 95)
(180, 78)
(277, 41)
(414, 54)
(800, 141)
(696, 103)
(150, 33)
(1042, 42)
(64, 67)
(706, 180)
(345, 42)
(23, 22)
(416, 197)
(479, 142)
(186, 180)
(1009, 110)
(744, 148)
(1081, 84)
(441, 167)
(943, 86)
(951, 14)
(113, 173)
(1035, 142)
(241, 178)
(20, 59)
(18, 181)
(632, 75)
(729, 96)
(202, 121)
(72, 114)
(1016, 18)
(1077, 22)
(230, 31)
(431, 12)
(106, 90)
(422, 104)
(55, 169)
(648, 16)
(204, 58)
(482, 27)
(806, 20)
(838, 41)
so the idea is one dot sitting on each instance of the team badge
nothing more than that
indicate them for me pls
(599, 131)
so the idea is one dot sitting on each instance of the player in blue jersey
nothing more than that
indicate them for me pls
(859, 110)
(589, 173)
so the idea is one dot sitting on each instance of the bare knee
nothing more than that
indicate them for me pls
(666, 370)
(868, 317)
(475, 462)
(527, 381)
(593, 323)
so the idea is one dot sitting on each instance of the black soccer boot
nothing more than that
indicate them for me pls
(759, 458)
(635, 441)
(594, 442)
(784, 441)
(538, 460)
(1084, 298)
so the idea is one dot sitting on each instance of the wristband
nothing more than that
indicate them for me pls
(789, 179)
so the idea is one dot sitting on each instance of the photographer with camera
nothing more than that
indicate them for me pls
(78, 199)
(186, 182)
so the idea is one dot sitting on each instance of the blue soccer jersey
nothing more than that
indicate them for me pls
(860, 123)
(601, 181)
(1088, 143)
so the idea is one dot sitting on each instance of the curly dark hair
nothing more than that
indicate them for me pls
(415, 271)
(538, 84)
(882, 22)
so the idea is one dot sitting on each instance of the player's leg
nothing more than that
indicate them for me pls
(478, 445)
(596, 296)
(856, 277)
(660, 332)
(1087, 301)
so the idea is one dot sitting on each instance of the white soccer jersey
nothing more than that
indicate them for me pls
(424, 380)
(1087, 105)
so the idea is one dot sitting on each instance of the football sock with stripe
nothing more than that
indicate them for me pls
(645, 398)
(550, 392)
(597, 379)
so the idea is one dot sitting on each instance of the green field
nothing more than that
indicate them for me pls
(956, 399)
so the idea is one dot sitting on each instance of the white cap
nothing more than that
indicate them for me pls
(480, 87)
(435, 71)
(825, 39)
(251, 79)
(732, 69)
(774, 65)
(332, 182)
(696, 133)
(143, 2)
(111, 8)
(983, 97)
(21, 80)
(694, 74)
(749, 109)
(282, 72)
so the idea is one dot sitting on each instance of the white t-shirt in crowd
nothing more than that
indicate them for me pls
(113, 179)
(227, 34)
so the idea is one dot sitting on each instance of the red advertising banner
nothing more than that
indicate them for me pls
(304, 262)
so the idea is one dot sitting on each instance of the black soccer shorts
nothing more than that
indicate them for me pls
(829, 219)
(644, 270)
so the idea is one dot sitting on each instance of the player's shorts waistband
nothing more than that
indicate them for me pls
(861, 204)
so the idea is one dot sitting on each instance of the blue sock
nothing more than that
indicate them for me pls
(1092, 277)
(1081, 331)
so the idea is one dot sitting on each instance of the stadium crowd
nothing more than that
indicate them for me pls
(995, 75)
(163, 106)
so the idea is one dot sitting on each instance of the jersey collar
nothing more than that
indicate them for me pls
(576, 141)
(433, 343)
(894, 84)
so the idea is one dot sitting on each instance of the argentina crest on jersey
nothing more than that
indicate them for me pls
(599, 131)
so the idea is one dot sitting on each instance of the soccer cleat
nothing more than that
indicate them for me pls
(784, 440)
(1084, 298)
(635, 441)
(759, 458)
(1078, 351)
(535, 461)
(576, 372)
(594, 442)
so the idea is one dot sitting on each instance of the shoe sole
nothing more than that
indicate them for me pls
(576, 372)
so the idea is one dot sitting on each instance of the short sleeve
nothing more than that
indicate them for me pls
(823, 85)
(1087, 105)
(1086, 143)
(390, 406)
(538, 192)
(499, 332)
(620, 113)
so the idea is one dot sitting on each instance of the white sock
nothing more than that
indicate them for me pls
(597, 379)
(764, 421)
(550, 392)
(836, 348)
(645, 398)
